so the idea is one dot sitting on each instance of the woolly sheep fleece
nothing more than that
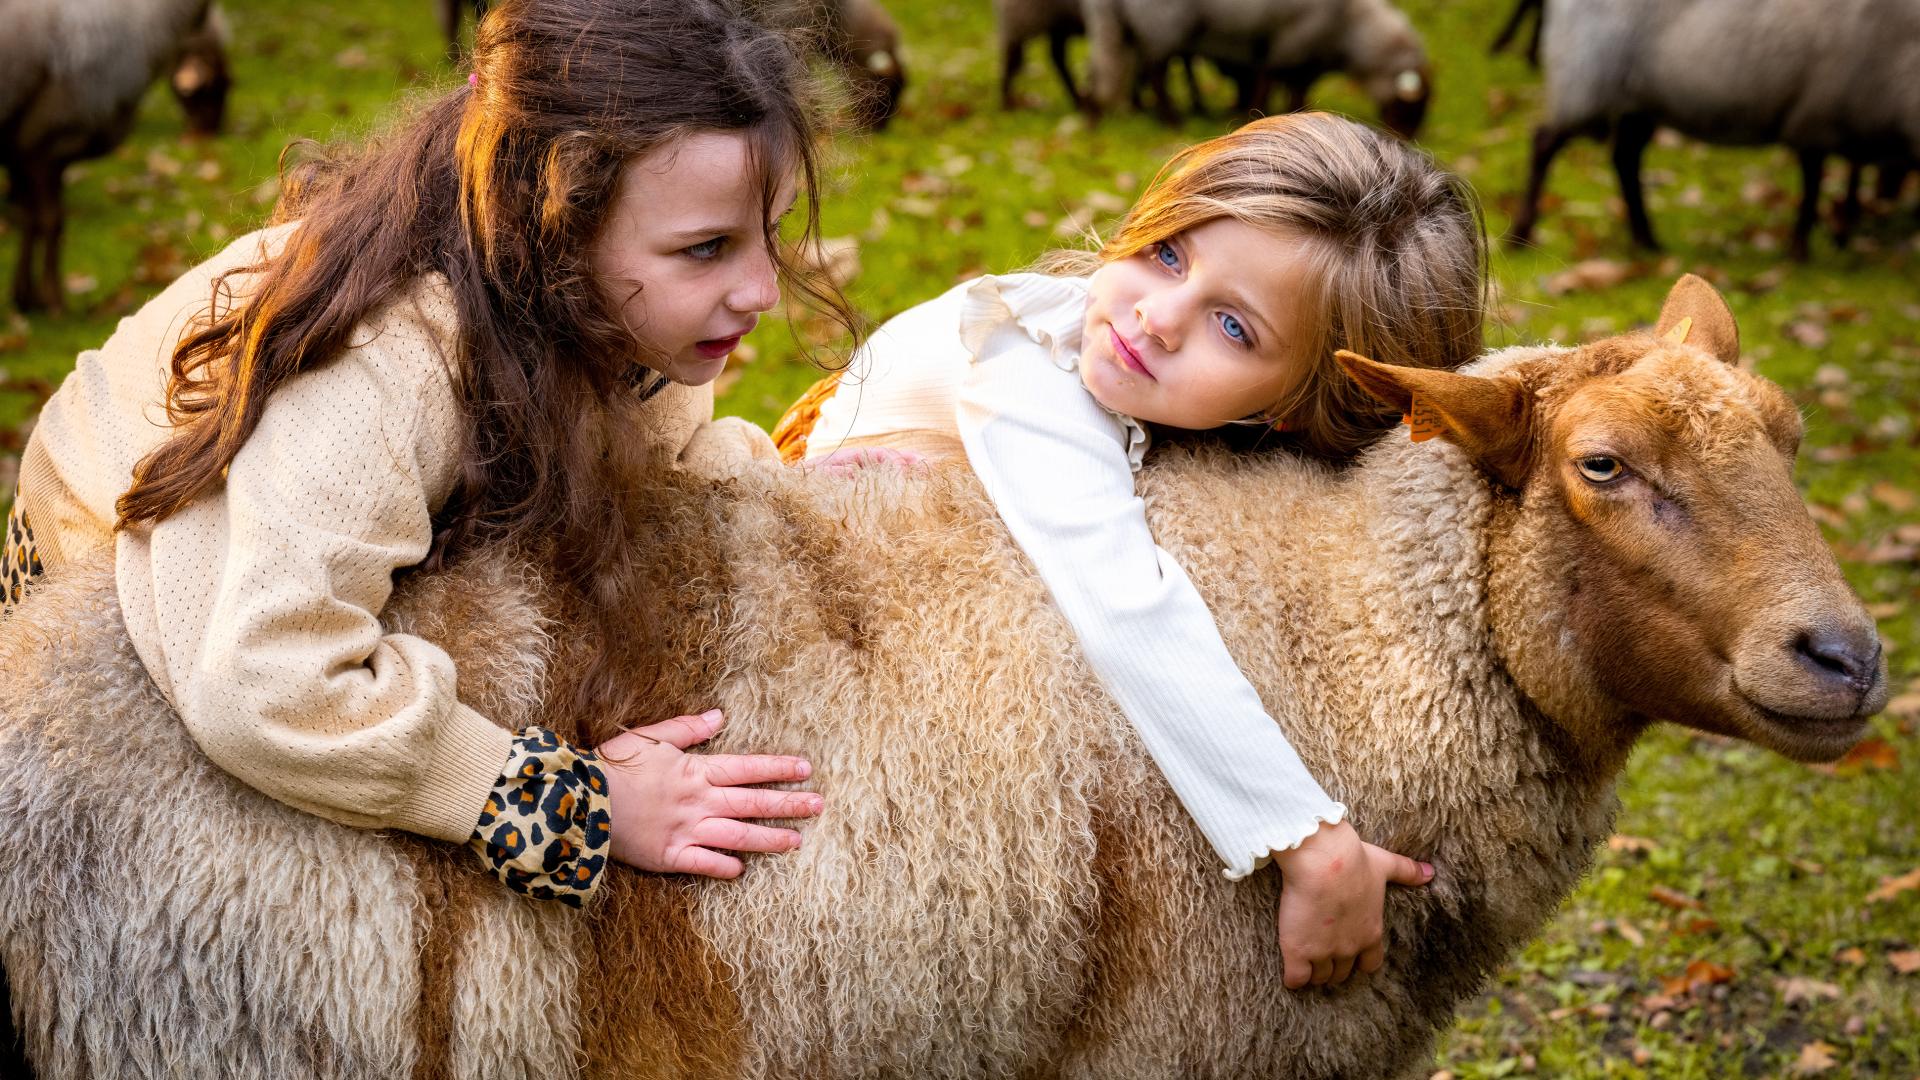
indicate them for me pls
(1001, 885)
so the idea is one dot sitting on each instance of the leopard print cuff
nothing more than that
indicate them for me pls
(546, 826)
(19, 561)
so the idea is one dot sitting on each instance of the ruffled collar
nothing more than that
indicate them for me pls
(1050, 310)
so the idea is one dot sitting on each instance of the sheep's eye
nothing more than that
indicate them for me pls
(1599, 468)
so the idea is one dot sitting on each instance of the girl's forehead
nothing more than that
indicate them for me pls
(706, 178)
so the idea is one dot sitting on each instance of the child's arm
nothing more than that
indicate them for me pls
(1055, 464)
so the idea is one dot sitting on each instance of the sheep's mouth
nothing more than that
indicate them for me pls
(1806, 738)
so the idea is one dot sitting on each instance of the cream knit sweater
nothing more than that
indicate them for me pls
(256, 608)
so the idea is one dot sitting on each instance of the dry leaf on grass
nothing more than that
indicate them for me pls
(1906, 961)
(1852, 956)
(1699, 974)
(1675, 899)
(1634, 844)
(1589, 275)
(1891, 887)
(1815, 1057)
(1798, 989)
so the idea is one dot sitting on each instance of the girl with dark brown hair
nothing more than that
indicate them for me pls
(450, 340)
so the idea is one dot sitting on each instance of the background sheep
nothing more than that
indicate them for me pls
(71, 74)
(1291, 43)
(860, 39)
(1019, 22)
(1002, 885)
(1820, 76)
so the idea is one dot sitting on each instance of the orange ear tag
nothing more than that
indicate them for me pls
(1678, 335)
(1425, 421)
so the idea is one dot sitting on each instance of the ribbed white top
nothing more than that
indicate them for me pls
(994, 362)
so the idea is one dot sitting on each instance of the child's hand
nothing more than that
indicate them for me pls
(671, 809)
(848, 459)
(1334, 886)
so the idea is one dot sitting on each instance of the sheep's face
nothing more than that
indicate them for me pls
(1696, 587)
(1657, 561)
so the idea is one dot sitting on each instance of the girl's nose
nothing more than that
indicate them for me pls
(1158, 320)
(759, 289)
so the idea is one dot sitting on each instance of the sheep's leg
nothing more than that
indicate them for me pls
(449, 13)
(1057, 39)
(1164, 108)
(1012, 57)
(1630, 138)
(1849, 215)
(1547, 141)
(1195, 98)
(1812, 164)
(36, 282)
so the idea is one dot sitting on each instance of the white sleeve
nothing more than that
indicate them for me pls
(1055, 464)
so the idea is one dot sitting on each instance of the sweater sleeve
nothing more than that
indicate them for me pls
(267, 594)
(1056, 466)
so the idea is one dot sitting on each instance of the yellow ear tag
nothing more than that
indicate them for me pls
(1425, 421)
(1678, 335)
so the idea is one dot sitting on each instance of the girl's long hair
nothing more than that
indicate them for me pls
(499, 187)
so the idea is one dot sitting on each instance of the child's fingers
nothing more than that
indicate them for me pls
(732, 835)
(749, 802)
(732, 770)
(699, 860)
(684, 731)
(1398, 869)
(1297, 973)
(1373, 957)
(1342, 970)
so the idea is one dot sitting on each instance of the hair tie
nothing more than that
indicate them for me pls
(473, 79)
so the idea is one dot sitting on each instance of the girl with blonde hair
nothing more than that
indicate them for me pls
(1217, 306)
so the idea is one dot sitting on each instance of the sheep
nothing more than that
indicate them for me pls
(1292, 42)
(1020, 21)
(859, 38)
(451, 14)
(1463, 636)
(1819, 77)
(75, 71)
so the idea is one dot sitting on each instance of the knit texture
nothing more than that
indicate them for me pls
(256, 608)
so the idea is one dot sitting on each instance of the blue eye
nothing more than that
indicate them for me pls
(705, 249)
(1233, 329)
(1166, 256)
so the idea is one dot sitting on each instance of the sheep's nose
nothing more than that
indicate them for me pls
(1840, 654)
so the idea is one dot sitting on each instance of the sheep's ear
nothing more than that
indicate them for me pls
(1696, 314)
(1486, 417)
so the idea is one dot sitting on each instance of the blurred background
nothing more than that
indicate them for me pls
(1753, 917)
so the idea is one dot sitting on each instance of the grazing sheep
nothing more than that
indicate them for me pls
(1020, 21)
(1289, 42)
(1819, 76)
(74, 73)
(859, 38)
(1463, 637)
(1510, 31)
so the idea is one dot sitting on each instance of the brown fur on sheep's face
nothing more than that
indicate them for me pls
(1691, 585)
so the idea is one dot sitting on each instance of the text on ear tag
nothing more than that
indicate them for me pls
(1678, 335)
(1425, 421)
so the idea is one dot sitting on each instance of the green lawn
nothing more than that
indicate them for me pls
(1732, 929)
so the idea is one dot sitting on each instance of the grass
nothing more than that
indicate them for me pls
(1793, 968)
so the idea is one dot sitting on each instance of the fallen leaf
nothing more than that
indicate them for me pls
(1828, 376)
(1897, 499)
(1815, 1057)
(1635, 844)
(1906, 705)
(1806, 866)
(1891, 887)
(1676, 899)
(1798, 989)
(1699, 925)
(1852, 957)
(1699, 974)
(1906, 962)
(1631, 932)
(1808, 333)
(1588, 275)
